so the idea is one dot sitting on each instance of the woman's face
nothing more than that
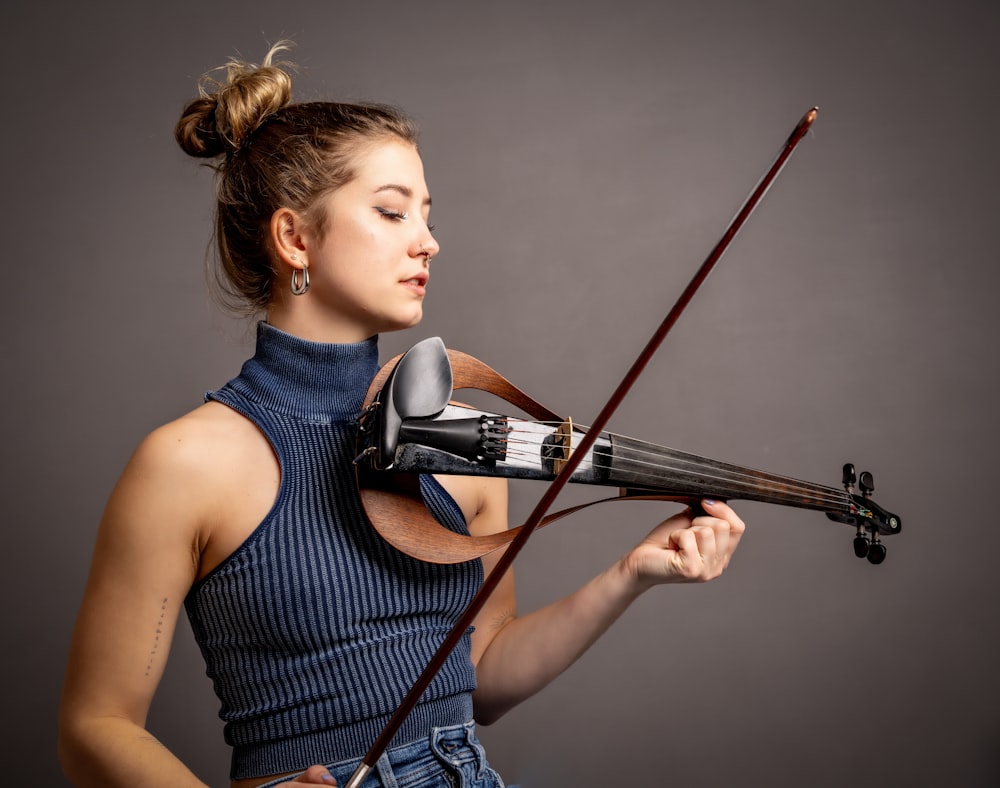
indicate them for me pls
(369, 271)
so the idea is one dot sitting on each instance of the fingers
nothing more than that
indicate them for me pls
(705, 544)
(314, 775)
(687, 548)
(701, 551)
(717, 534)
(712, 509)
(730, 521)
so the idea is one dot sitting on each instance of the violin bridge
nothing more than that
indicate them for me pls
(561, 447)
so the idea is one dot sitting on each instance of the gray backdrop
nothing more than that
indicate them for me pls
(584, 158)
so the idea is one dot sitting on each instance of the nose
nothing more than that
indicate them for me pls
(428, 245)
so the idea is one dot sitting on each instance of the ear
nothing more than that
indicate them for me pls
(288, 238)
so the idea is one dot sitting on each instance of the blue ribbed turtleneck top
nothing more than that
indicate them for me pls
(315, 628)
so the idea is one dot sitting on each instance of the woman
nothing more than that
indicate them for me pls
(245, 511)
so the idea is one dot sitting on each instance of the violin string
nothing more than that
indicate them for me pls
(684, 463)
(733, 484)
(689, 464)
(681, 462)
(776, 487)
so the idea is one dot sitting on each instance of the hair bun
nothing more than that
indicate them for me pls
(226, 112)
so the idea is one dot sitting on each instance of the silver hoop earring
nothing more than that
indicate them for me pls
(300, 286)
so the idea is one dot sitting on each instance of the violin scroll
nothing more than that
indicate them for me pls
(871, 519)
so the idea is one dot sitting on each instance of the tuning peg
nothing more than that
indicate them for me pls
(866, 483)
(861, 545)
(876, 553)
(850, 477)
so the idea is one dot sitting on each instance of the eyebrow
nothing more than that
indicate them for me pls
(406, 191)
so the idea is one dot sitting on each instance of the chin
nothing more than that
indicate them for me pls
(415, 318)
(402, 323)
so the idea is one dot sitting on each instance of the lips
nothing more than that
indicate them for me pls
(418, 281)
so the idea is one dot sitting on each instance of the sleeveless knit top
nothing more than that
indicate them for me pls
(314, 629)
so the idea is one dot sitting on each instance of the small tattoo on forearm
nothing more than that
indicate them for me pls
(159, 633)
(152, 740)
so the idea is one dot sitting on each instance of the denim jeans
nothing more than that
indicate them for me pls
(451, 757)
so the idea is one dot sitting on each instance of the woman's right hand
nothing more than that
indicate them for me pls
(314, 775)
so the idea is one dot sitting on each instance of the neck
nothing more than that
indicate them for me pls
(305, 318)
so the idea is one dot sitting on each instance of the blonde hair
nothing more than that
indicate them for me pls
(272, 154)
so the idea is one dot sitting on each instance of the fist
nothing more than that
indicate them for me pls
(688, 549)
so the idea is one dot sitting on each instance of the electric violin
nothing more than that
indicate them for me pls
(410, 425)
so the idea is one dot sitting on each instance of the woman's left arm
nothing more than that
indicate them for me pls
(516, 656)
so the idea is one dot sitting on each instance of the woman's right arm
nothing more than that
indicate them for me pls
(145, 560)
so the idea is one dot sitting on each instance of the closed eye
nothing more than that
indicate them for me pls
(390, 214)
(399, 216)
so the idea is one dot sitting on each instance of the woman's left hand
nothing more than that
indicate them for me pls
(686, 549)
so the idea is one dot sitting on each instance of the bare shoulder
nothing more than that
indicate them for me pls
(173, 476)
(219, 462)
(168, 460)
(197, 438)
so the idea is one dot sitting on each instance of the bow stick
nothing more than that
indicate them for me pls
(555, 487)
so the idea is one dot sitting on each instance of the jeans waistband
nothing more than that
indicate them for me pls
(347, 741)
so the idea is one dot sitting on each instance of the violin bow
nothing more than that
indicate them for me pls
(506, 559)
